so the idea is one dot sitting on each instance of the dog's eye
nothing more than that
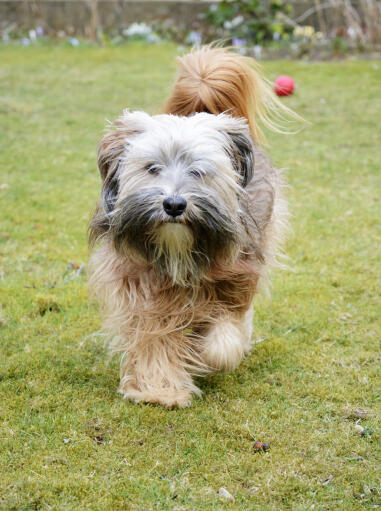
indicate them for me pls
(153, 169)
(197, 173)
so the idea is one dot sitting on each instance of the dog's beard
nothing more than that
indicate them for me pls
(179, 248)
(173, 244)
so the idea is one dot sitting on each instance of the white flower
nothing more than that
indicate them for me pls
(236, 21)
(257, 51)
(137, 29)
(74, 41)
(306, 31)
(298, 31)
(194, 37)
(309, 31)
(153, 38)
(352, 33)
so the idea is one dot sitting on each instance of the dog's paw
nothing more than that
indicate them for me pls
(224, 347)
(169, 398)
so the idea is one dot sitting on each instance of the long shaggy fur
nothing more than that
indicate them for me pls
(176, 291)
(215, 80)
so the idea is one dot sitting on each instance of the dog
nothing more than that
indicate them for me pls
(189, 222)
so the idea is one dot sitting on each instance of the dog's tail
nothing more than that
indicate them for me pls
(216, 80)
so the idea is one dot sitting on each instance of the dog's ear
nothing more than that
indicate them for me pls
(111, 151)
(242, 154)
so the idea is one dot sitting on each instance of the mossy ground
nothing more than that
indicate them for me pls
(68, 440)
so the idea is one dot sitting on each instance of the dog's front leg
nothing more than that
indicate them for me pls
(227, 341)
(153, 371)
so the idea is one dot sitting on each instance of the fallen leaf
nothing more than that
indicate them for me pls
(327, 481)
(223, 493)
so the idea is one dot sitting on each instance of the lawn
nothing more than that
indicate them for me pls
(68, 440)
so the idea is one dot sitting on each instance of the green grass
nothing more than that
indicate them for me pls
(67, 439)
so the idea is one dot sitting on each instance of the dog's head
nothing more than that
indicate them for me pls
(172, 190)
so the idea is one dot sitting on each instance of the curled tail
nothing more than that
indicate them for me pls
(217, 80)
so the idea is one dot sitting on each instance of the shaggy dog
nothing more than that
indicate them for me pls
(190, 215)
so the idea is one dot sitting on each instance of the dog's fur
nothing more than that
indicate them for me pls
(177, 292)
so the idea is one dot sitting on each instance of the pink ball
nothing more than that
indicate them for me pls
(284, 85)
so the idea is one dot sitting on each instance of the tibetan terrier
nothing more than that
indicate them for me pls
(188, 223)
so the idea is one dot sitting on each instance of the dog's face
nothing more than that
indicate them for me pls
(172, 190)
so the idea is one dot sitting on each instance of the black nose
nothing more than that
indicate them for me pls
(174, 206)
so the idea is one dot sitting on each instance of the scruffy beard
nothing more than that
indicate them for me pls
(173, 244)
(179, 249)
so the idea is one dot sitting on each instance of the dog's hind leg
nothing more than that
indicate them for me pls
(154, 372)
(226, 343)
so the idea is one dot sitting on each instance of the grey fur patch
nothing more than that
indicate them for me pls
(242, 154)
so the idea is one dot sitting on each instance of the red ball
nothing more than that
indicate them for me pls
(284, 85)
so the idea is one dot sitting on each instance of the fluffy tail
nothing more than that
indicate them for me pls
(217, 80)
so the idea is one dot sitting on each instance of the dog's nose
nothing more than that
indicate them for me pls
(174, 206)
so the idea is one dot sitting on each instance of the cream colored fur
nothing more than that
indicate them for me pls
(228, 341)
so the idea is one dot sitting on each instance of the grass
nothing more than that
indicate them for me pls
(68, 440)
